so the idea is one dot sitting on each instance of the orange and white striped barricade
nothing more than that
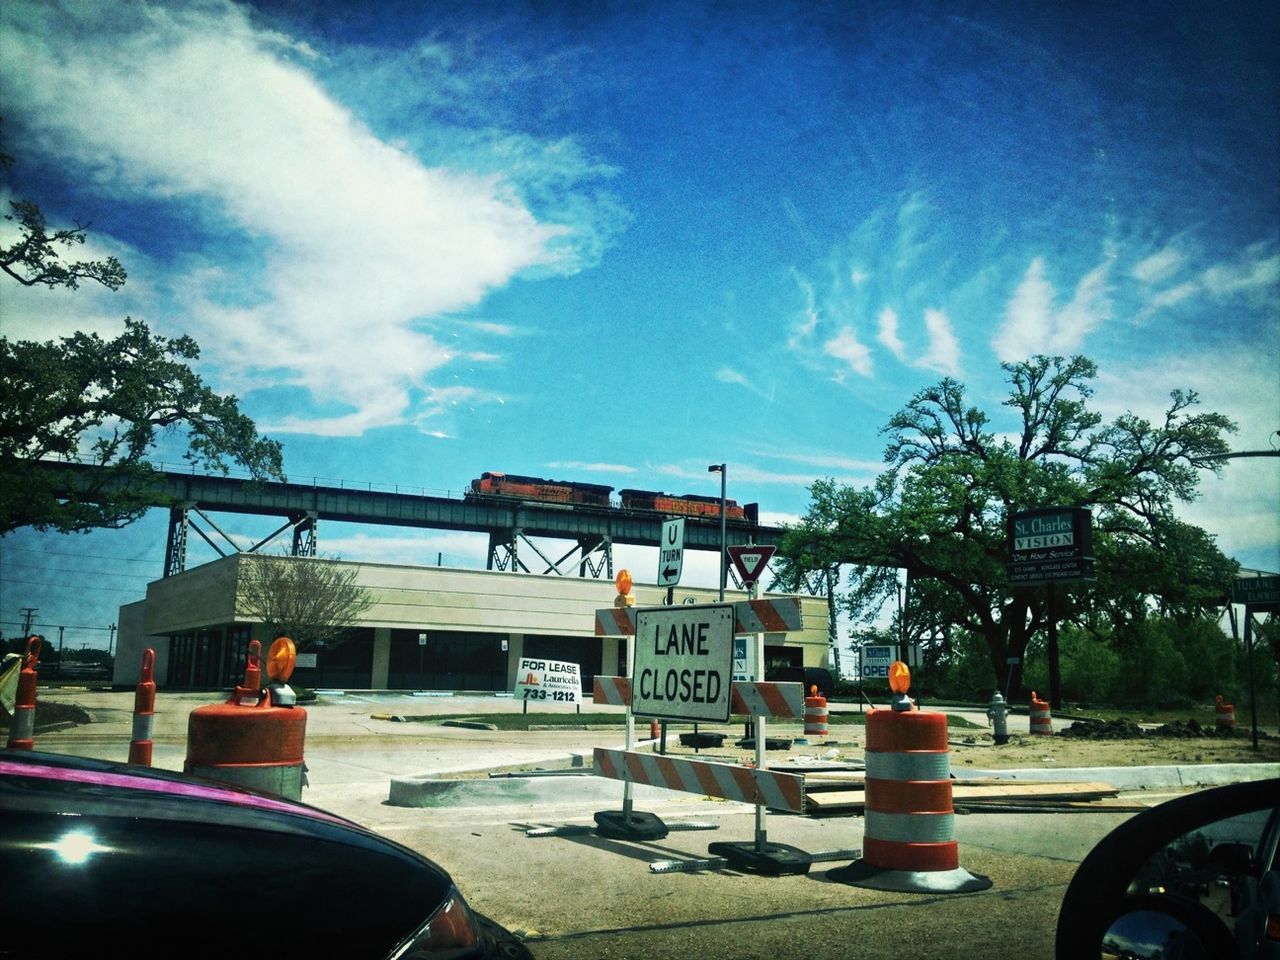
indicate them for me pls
(769, 615)
(1224, 716)
(1041, 720)
(908, 839)
(815, 715)
(728, 781)
(144, 712)
(23, 727)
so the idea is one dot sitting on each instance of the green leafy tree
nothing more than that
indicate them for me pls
(940, 509)
(102, 401)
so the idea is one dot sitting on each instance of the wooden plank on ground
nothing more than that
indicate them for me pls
(852, 800)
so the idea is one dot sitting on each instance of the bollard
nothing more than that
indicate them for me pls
(1041, 721)
(144, 712)
(22, 730)
(1224, 715)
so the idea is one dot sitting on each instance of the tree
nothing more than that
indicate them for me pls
(310, 600)
(939, 510)
(105, 401)
(34, 261)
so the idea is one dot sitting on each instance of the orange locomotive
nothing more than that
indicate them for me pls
(492, 484)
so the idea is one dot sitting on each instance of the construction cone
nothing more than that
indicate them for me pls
(909, 839)
(144, 712)
(22, 729)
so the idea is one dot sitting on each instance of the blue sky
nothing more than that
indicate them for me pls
(618, 242)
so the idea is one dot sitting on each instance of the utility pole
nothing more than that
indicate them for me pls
(111, 640)
(28, 613)
(61, 631)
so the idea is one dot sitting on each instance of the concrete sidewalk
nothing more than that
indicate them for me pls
(354, 759)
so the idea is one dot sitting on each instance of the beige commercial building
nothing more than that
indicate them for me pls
(429, 628)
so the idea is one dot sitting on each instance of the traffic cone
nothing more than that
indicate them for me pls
(144, 712)
(22, 729)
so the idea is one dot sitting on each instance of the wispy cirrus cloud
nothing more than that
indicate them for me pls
(345, 251)
(1035, 323)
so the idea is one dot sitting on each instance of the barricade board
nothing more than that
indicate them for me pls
(775, 791)
(777, 615)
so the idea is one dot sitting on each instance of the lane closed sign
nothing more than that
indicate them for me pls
(684, 662)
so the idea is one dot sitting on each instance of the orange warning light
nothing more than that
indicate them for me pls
(623, 582)
(280, 660)
(899, 677)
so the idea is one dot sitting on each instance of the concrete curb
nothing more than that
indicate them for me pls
(578, 784)
(1143, 778)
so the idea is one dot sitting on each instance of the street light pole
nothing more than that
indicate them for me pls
(724, 544)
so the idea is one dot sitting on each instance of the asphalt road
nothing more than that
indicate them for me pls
(584, 896)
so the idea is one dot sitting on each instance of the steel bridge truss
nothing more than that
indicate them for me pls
(182, 524)
(588, 557)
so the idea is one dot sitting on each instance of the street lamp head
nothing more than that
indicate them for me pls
(716, 468)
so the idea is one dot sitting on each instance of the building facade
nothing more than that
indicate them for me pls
(429, 628)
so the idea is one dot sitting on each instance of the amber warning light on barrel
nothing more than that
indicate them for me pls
(281, 659)
(623, 582)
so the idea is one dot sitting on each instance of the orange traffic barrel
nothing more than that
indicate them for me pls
(908, 839)
(1224, 715)
(815, 714)
(1041, 720)
(22, 729)
(248, 741)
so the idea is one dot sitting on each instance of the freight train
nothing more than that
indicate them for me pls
(510, 486)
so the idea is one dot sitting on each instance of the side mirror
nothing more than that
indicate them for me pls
(1184, 879)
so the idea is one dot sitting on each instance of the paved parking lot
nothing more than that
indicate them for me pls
(584, 896)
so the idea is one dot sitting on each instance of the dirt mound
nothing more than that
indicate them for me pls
(1121, 729)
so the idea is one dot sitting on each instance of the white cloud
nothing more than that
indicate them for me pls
(1258, 269)
(593, 467)
(1166, 299)
(1160, 266)
(888, 333)
(351, 242)
(729, 375)
(803, 331)
(1034, 325)
(944, 348)
(846, 347)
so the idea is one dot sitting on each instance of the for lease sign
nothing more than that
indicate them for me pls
(548, 681)
(684, 662)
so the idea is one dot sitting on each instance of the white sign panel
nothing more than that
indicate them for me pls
(671, 553)
(684, 662)
(548, 681)
(876, 661)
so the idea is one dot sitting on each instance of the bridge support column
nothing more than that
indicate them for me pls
(175, 551)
